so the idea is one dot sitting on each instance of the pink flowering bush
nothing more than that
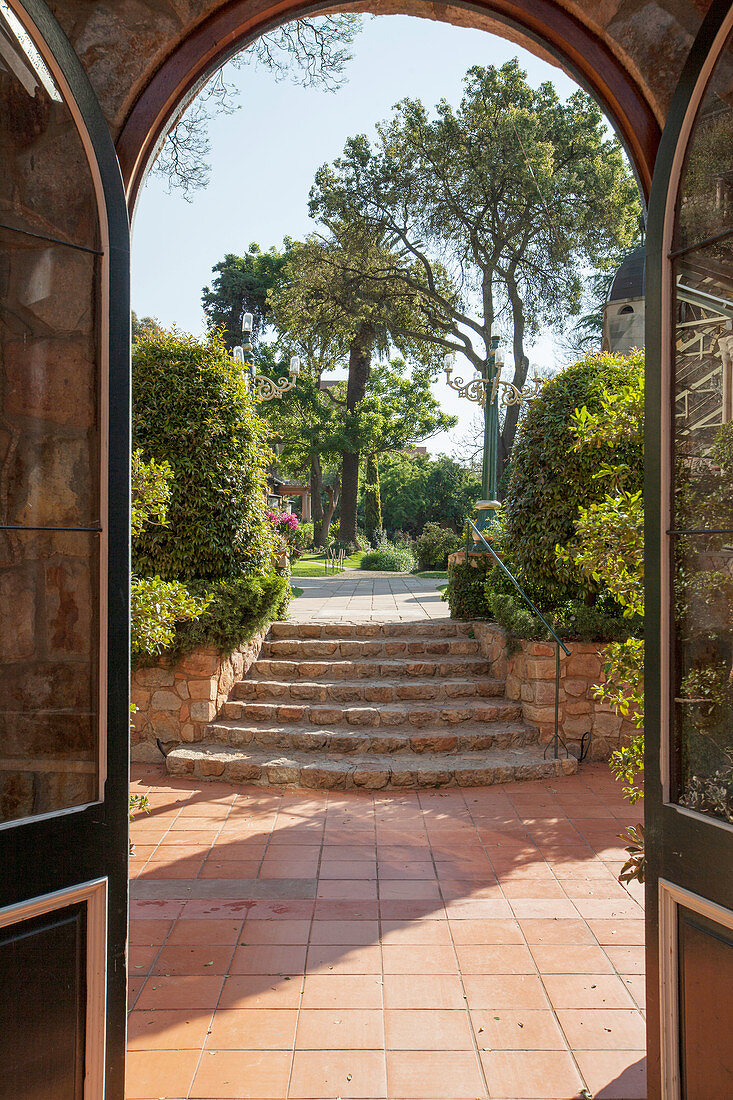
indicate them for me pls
(285, 524)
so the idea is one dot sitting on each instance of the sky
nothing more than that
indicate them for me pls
(264, 157)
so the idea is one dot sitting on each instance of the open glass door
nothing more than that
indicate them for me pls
(689, 538)
(64, 560)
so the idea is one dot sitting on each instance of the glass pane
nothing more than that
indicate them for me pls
(45, 184)
(703, 684)
(705, 207)
(49, 458)
(49, 671)
(702, 504)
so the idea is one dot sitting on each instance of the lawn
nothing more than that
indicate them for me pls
(433, 574)
(312, 564)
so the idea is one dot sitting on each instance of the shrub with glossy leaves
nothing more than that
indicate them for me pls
(191, 409)
(553, 477)
(395, 559)
(434, 545)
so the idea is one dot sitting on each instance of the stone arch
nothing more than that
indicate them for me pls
(629, 62)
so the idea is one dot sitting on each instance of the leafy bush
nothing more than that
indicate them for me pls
(155, 605)
(434, 545)
(397, 559)
(466, 588)
(554, 472)
(303, 537)
(192, 410)
(236, 609)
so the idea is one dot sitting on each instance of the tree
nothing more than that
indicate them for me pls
(241, 286)
(320, 306)
(514, 196)
(311, 52)
(144, 326)
(416, 489)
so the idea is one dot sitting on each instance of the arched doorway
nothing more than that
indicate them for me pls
(142, 68)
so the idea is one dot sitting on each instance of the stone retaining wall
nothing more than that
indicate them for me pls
(176, 703)
(530, 679)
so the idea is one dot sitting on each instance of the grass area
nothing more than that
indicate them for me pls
(433, 574)
(313, 564)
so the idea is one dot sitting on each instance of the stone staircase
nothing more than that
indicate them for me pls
(370, 705)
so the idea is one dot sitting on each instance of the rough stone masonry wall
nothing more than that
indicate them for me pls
(176, 702)
(530, 679)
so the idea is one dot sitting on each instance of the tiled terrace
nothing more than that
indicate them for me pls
(439, 944)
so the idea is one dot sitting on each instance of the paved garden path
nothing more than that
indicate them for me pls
(418, 945)
(356, 596)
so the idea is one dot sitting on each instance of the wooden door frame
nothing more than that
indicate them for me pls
(684, 848)
(81, 853)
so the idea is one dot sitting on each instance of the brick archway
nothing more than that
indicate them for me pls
(543, 26)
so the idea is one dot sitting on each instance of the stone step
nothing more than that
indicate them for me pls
(442, 713)
(366, 691)
(421, 629)
(453, 668)
(367, 771)
(332, 649)
(431, 739)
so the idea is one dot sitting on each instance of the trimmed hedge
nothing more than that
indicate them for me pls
(466, 588)
(397, 559)
(191, 409)
(551, 478)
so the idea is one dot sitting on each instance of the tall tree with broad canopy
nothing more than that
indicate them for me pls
(515, 195)
(334, 292)
(242, 285)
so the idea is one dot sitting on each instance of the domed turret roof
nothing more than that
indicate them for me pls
(628, 282)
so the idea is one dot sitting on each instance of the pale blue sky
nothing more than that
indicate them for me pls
(264, 158)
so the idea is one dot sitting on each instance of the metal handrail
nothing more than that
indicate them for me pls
(559, 644)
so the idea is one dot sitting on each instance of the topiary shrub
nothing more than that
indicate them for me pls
(552, 478)
(434, 545)
(466, 588)
(395, 559)
(192, 410)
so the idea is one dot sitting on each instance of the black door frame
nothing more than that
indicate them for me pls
(689, 855)
(85, 851)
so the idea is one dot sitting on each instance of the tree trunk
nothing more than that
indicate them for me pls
(360, 362)
(317, 499)
(333, 493)
(521, 366)
(372, 502)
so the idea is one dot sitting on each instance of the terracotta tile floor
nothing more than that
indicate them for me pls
(440, 944)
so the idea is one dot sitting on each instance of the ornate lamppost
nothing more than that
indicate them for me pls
(260, 386)
(488, 390)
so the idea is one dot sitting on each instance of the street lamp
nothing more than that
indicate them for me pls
(488, 390)
(262, 387)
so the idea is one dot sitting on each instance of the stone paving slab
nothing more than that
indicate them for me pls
(451, 944)
(356, 597)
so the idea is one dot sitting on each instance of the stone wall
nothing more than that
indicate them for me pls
(176, 702)
(530, 679)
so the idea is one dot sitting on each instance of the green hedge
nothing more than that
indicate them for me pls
(236, 610)
(191, 409)
(397, 559)
(434, 545)
(466, 588)
(552, 478)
